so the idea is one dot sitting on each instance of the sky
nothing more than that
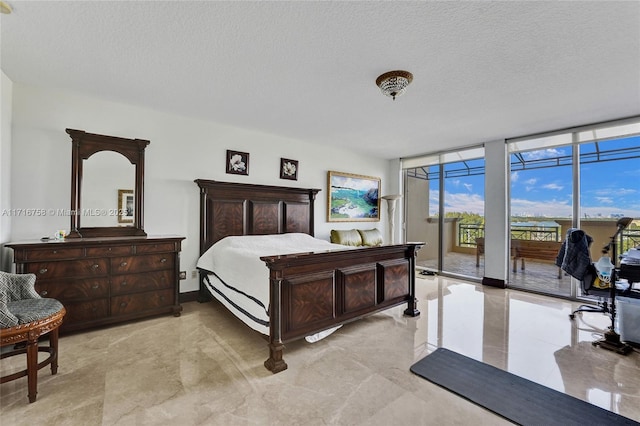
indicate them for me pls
(608, 188)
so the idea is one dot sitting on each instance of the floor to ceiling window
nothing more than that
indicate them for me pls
(586, 177)
(582, 178)
(541, 211)
(445, 208)
(609, 188)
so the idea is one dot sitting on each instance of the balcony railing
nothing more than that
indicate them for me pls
(629, 238)
(467, 234)
(535, 233)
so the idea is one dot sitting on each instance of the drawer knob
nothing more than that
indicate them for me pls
(124, 283)
(95, 286)
(123, 264)
(96, 266)
(162, 298)
(123, 304)
(43, 270)
(163, 260)
(44, 292)
(55, 251)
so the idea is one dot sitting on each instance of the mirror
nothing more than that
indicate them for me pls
(107, 175)
(107, 185)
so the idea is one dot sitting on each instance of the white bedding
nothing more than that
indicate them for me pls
(240, 280)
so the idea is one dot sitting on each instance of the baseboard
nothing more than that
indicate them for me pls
(494, 282)
(189, 296)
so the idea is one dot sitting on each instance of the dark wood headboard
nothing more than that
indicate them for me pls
(244, 209)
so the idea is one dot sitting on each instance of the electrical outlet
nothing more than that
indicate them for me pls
(194, 274)
(183, 275)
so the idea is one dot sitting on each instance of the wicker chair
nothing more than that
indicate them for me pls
(24, 317)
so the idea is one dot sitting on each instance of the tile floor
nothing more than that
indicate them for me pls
(537, 276)
(205, 367)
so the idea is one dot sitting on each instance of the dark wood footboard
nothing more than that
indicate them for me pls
(312, 292)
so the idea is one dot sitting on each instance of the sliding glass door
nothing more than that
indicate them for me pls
(444, 204)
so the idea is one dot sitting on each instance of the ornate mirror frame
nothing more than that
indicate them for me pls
(84, 146)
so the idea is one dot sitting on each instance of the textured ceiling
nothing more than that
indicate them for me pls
(307, 70)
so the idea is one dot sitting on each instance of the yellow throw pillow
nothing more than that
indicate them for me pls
(371, 237)
(349, 237)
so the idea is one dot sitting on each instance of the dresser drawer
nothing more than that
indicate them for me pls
(69, 290)
(109, 251)
(121, 305)
(135, 283)
(55, 253)
(150, 262)
(155, 248)
(72, 269)
(86, 311)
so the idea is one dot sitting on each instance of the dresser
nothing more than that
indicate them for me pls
(105, 280)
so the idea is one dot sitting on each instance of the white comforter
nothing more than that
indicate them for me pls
(236, 262)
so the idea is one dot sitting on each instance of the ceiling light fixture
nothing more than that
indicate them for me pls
(394, 83)
(5, 8)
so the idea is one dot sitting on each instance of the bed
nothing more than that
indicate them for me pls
(305, 292)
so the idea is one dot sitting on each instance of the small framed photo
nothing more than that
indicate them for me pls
(125, 206)
(288, 169)
(237, 162)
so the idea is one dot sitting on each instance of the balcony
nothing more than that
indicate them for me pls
(538, 275)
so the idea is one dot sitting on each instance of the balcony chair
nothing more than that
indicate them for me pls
(24, 317)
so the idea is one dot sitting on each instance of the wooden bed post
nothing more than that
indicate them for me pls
(275, 363)
(412, 305)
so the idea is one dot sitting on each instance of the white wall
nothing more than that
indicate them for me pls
(395, 188)
(6, 95)
(496, 210)
(182, 149)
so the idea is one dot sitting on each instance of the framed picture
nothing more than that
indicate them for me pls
(126, 205)
(237, 162)
(288, 169)
(353, 198)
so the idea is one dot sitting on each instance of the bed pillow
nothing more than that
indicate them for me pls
(370, 237)
(349, 237)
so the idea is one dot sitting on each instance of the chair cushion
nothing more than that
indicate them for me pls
(28, 310)
(349, 237)
(371, 237)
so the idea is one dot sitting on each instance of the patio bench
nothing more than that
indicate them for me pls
(526, 249)
(538, 250)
